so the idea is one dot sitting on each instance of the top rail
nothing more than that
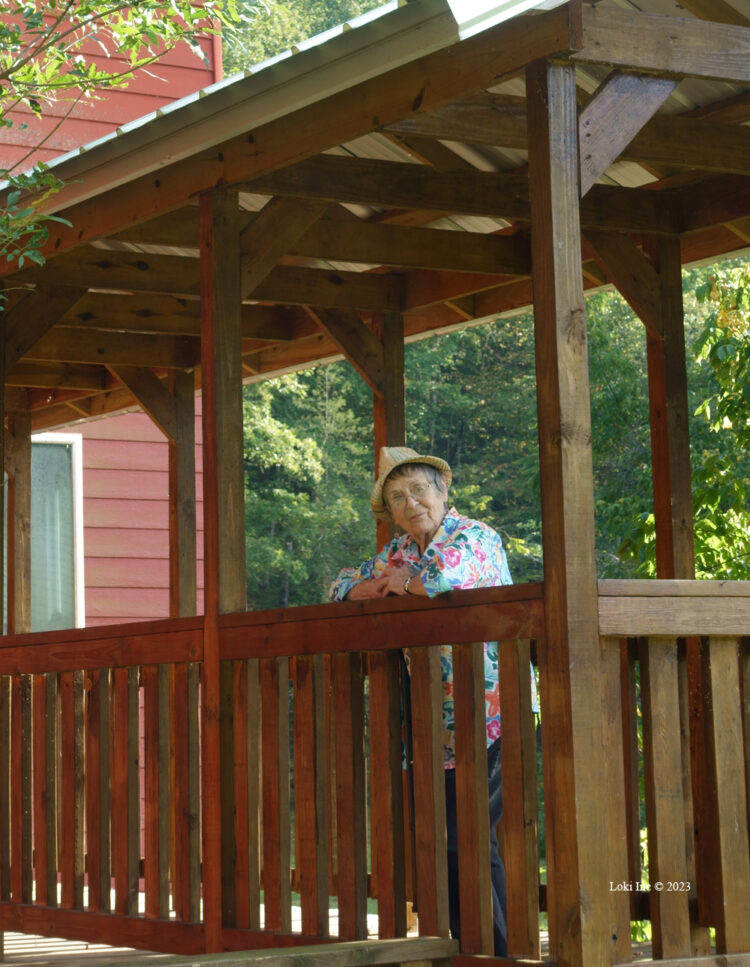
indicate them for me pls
(674, 608)
(504, 613)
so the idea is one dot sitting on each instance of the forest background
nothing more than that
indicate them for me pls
(471, 398)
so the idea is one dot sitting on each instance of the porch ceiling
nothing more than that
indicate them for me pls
(398, 183)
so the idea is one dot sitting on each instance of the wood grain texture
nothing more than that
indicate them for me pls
(519, 821)
(274, 676)
(386, 801)
(612, 117)
(614, 799)
(664, 797)
(665, 45)
(429, 792)
(351, 852)
(722, 679)
(569, 664)
(472, 799)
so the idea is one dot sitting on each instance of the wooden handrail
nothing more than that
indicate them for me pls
(674, 608)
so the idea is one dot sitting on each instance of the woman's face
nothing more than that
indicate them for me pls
(416, 505)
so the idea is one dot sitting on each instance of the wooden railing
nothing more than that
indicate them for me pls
(676, 703)
(100, 799)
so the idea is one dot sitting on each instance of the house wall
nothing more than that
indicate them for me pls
(66, 126)
(125, 458)
(126, 518)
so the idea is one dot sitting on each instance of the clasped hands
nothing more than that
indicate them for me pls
(389, 581)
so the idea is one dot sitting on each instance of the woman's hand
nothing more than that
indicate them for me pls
(396, 577)
(372, 588)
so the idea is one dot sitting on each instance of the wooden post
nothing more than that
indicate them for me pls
(675, 558)
(389, 408)
(570, 663)
(224, 529)
(19, 527)
(182, 554)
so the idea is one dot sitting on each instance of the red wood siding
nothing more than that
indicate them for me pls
(126, 518)
(179, 73)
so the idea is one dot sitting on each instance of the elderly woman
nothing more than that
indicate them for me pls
(439, 550)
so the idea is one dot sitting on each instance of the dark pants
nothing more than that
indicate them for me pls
(497, 869)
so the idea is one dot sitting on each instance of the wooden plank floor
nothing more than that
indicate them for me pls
(25, 949)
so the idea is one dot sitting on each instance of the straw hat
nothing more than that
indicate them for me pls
(392, 457)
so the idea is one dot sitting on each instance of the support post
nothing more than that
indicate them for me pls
(224, 531)
(675, 558)
(19, 527)
(570, 664)
(389, 409)
(182, 539)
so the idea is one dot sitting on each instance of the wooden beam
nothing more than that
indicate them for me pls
(153, 396)
(570, 665)
(180, 276)
(422, 84)
(613, 116)
(498, 119)
(685, 143)
(713, 201)
(389, 184)
(666, 45)
(357, 342)
(173, 315)
(125, 349)
(58, 375)
(269, 236)
(28, 321)
(426, 248)
(711, 140)
(632, 273)
(718, 11)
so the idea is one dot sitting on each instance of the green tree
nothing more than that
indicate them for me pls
(284, 23)
(65, 50)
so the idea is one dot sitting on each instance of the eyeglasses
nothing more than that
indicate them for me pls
(398, 500)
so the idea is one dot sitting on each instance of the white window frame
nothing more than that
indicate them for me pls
(75, 442)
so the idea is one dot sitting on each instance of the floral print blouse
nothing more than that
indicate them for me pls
(464, 553)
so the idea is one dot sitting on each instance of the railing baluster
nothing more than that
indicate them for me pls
(629, 707)
(239, 743)
(5, 787)
(429, 792)
(151, 789)
(664, 796)
(165, 795)
(472, 800)
(386, 800)
(67, 791)
(721, 675)
(16, 804)
(309, 800)
(119, 793)
(93, 800)
(52, 704)
(276, 823)
(613, 800)
(519, 823)
(348, 694)
(254, 798)
(40, 789)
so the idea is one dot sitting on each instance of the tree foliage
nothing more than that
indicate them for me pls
(284, 23)
(65, 50)
(471, 398)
